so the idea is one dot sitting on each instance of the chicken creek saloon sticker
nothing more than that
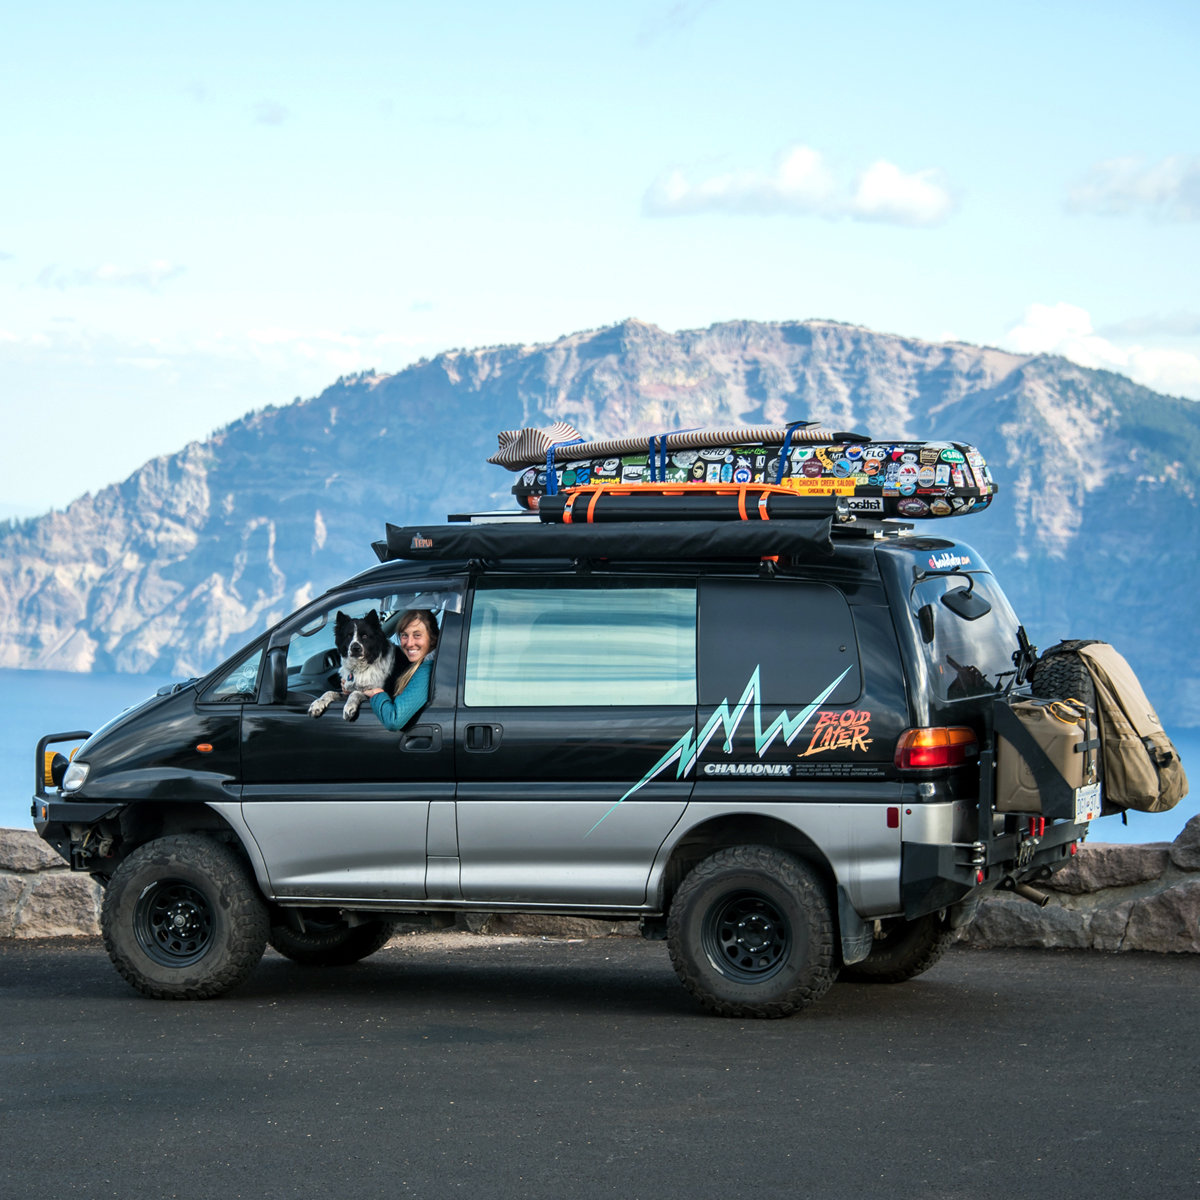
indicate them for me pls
(834, 731)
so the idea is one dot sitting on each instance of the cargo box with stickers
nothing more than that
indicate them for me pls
(769, 742)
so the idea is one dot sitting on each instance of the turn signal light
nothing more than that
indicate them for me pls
(922, 749)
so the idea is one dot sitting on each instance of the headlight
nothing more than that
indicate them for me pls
(73, 780)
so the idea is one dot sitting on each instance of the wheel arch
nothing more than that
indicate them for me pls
(146, 820)
(737, 829)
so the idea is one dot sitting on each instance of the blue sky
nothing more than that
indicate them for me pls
(206, 211)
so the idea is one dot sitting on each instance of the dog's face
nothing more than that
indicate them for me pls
(360, 641)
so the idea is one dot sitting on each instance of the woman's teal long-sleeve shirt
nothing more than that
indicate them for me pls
(395, 713)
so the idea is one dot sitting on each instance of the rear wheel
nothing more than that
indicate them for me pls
(182, 919)
(902, 950)
(750, 933)
(328, 941)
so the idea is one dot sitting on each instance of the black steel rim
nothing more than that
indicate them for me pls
(174, 922)
(746, 936)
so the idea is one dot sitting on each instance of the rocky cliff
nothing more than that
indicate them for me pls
(1094, 532)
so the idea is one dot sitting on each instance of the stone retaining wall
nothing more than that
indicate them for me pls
(39, 895)
(1141, 897)
(1114, 898)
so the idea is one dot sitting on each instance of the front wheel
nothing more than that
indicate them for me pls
(750, 933)
(182, 919)
(902, 949)
(330, 942)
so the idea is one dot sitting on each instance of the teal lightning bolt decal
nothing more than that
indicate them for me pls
(685, 751)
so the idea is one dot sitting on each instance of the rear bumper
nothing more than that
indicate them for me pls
(939, 875)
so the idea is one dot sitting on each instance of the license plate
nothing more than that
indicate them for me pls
(1087, 803)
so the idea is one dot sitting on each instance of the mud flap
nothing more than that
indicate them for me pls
(858, 936)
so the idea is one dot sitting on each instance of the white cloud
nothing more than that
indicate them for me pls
(1167, 190)
(1067, 330)
(802, 185)
(151, 276)
(885, 193)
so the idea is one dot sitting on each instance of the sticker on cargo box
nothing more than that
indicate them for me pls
(865, 504)
(820, 487)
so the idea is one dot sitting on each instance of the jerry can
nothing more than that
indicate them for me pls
(1062, 729)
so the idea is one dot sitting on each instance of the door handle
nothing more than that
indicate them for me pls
(481, 738)
(422, 738)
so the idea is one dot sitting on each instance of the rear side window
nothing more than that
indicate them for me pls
(798, 636)
(966, 658)
(573, 643)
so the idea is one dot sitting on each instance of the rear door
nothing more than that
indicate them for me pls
(342, 809)
(578, 696)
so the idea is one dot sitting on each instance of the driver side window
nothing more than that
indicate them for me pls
(312, 654)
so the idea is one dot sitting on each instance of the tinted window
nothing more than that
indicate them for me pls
(967, 658)
(800, 636)
(312, 656)
(582, 643)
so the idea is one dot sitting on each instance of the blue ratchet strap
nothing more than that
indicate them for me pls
(659, 474)
(787, 445)
(551, 477)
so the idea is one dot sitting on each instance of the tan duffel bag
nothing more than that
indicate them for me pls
(1141, 767)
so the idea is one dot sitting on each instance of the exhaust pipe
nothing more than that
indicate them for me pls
(1032, 894)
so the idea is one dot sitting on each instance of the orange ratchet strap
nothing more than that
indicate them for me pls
(594, 491)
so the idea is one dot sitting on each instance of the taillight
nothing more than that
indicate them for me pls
(921, 749)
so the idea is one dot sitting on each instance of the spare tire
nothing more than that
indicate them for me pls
(1061, 674)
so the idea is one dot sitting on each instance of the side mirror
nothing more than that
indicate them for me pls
(277, 675)
(966, 604)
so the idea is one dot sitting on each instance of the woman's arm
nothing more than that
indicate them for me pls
(395, 713)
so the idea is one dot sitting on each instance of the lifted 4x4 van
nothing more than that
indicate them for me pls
(783, 768)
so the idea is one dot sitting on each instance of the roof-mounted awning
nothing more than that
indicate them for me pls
(665, 541)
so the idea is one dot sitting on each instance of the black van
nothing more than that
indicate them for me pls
(784, 768)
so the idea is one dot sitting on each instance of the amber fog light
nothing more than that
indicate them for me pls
(942, 746)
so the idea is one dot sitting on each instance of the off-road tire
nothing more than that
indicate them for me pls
(228, 918)
(795, 970)
(338, 947)
(902, 950)
(1062, 675)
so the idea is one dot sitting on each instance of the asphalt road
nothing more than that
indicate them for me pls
(497, 1067)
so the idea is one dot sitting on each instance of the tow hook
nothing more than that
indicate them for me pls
(1041, 899)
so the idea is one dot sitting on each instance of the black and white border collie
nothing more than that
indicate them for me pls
(369, 660)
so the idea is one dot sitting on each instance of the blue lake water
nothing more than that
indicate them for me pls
(39, 702)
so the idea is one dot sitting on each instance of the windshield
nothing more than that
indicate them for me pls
(966, 658)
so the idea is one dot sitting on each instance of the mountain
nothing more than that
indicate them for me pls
(1094, 532)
